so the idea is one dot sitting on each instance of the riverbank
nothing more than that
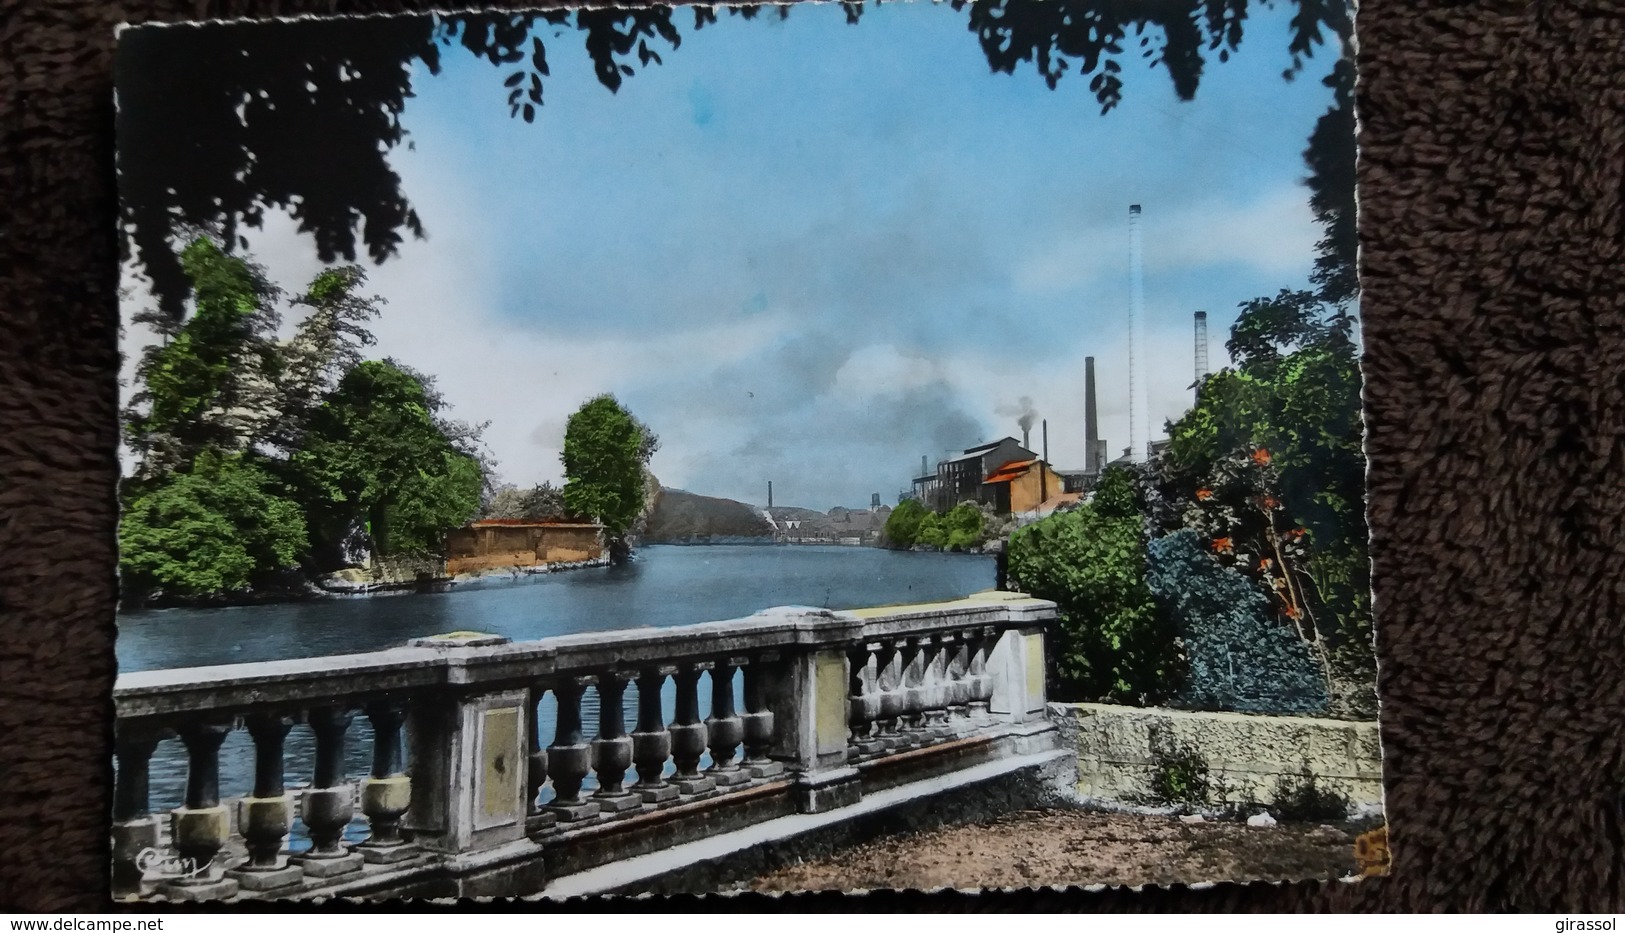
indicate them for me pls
(339, 585)
(298, 588)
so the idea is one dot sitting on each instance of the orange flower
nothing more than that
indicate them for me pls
(1204, 494)
(1292, 612)
(1261, 457)
(1222, 545)
(1265, 564)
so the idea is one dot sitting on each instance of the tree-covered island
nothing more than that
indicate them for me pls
(260, 464)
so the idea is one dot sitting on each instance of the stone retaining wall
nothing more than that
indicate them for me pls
(1116, 758)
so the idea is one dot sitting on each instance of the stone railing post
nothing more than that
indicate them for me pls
(266, 818)
(981, 681)
(201, 827)
(1017, 667)
(889, 688)
(810, 699)
(387, 793)
(723, 728)
(865, 703)
(651, 743)
(329, 802)
(569, 758)
(912, 683)
(758, 719)
(472, 749)
(612, 749)
(535, 762)
(935, 687)
(135, 829)
(958, 687)
(688, 733)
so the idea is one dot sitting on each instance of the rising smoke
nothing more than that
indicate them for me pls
(1023, 411)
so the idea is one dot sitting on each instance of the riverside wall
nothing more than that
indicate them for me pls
(489, 546)
(1121, 748)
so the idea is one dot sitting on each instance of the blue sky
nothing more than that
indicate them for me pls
(811, 252)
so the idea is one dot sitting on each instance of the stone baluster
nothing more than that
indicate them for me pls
(888, 684)
(863, 703)
(934, 668)
(958, 688)
(536, 763)
(688, 734)
(981, 682)
(329, 801)
(612, 750)
(387, 793)
(569, 758)
(135, 829)
(651, 743)
(266, 818)
(759, 720)
(912, 680)
(201, 827)
(724, 727)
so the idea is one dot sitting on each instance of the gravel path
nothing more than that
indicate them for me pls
(1034, 848)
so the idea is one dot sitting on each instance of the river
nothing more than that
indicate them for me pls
(663, 585)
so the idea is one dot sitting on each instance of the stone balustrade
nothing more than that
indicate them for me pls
(462, 763)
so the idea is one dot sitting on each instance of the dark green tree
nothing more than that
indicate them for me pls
(606, 453)
(210, 384)
(220, 528)
(903, 524)
(1268, 467)
(326, 344)
(378, 459)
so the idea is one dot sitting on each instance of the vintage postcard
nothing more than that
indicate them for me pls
(832, 446)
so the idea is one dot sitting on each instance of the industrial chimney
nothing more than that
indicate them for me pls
(1043, 468)
(770, 494)
(1091, 423)
(1201, 349)
(924, 468)
(1139, 395)
(1024, 442)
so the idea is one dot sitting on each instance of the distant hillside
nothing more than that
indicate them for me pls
(682, 517)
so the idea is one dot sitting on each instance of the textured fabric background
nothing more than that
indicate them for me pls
(1493, 168)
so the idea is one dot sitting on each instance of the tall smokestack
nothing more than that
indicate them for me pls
(770, 494)
(1024, 438)
(1201, 349)
(1043, 467)
(1139, 407)
(1091, 422)
(924, 466)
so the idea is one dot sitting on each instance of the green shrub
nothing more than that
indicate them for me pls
(216, 529)
(1299, 798)
(1111, 642)
(962, 527)
(933, 531)
(903, 525)
(1238, 656)
(1181, 776)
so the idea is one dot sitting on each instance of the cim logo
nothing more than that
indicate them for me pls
(164, 864)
